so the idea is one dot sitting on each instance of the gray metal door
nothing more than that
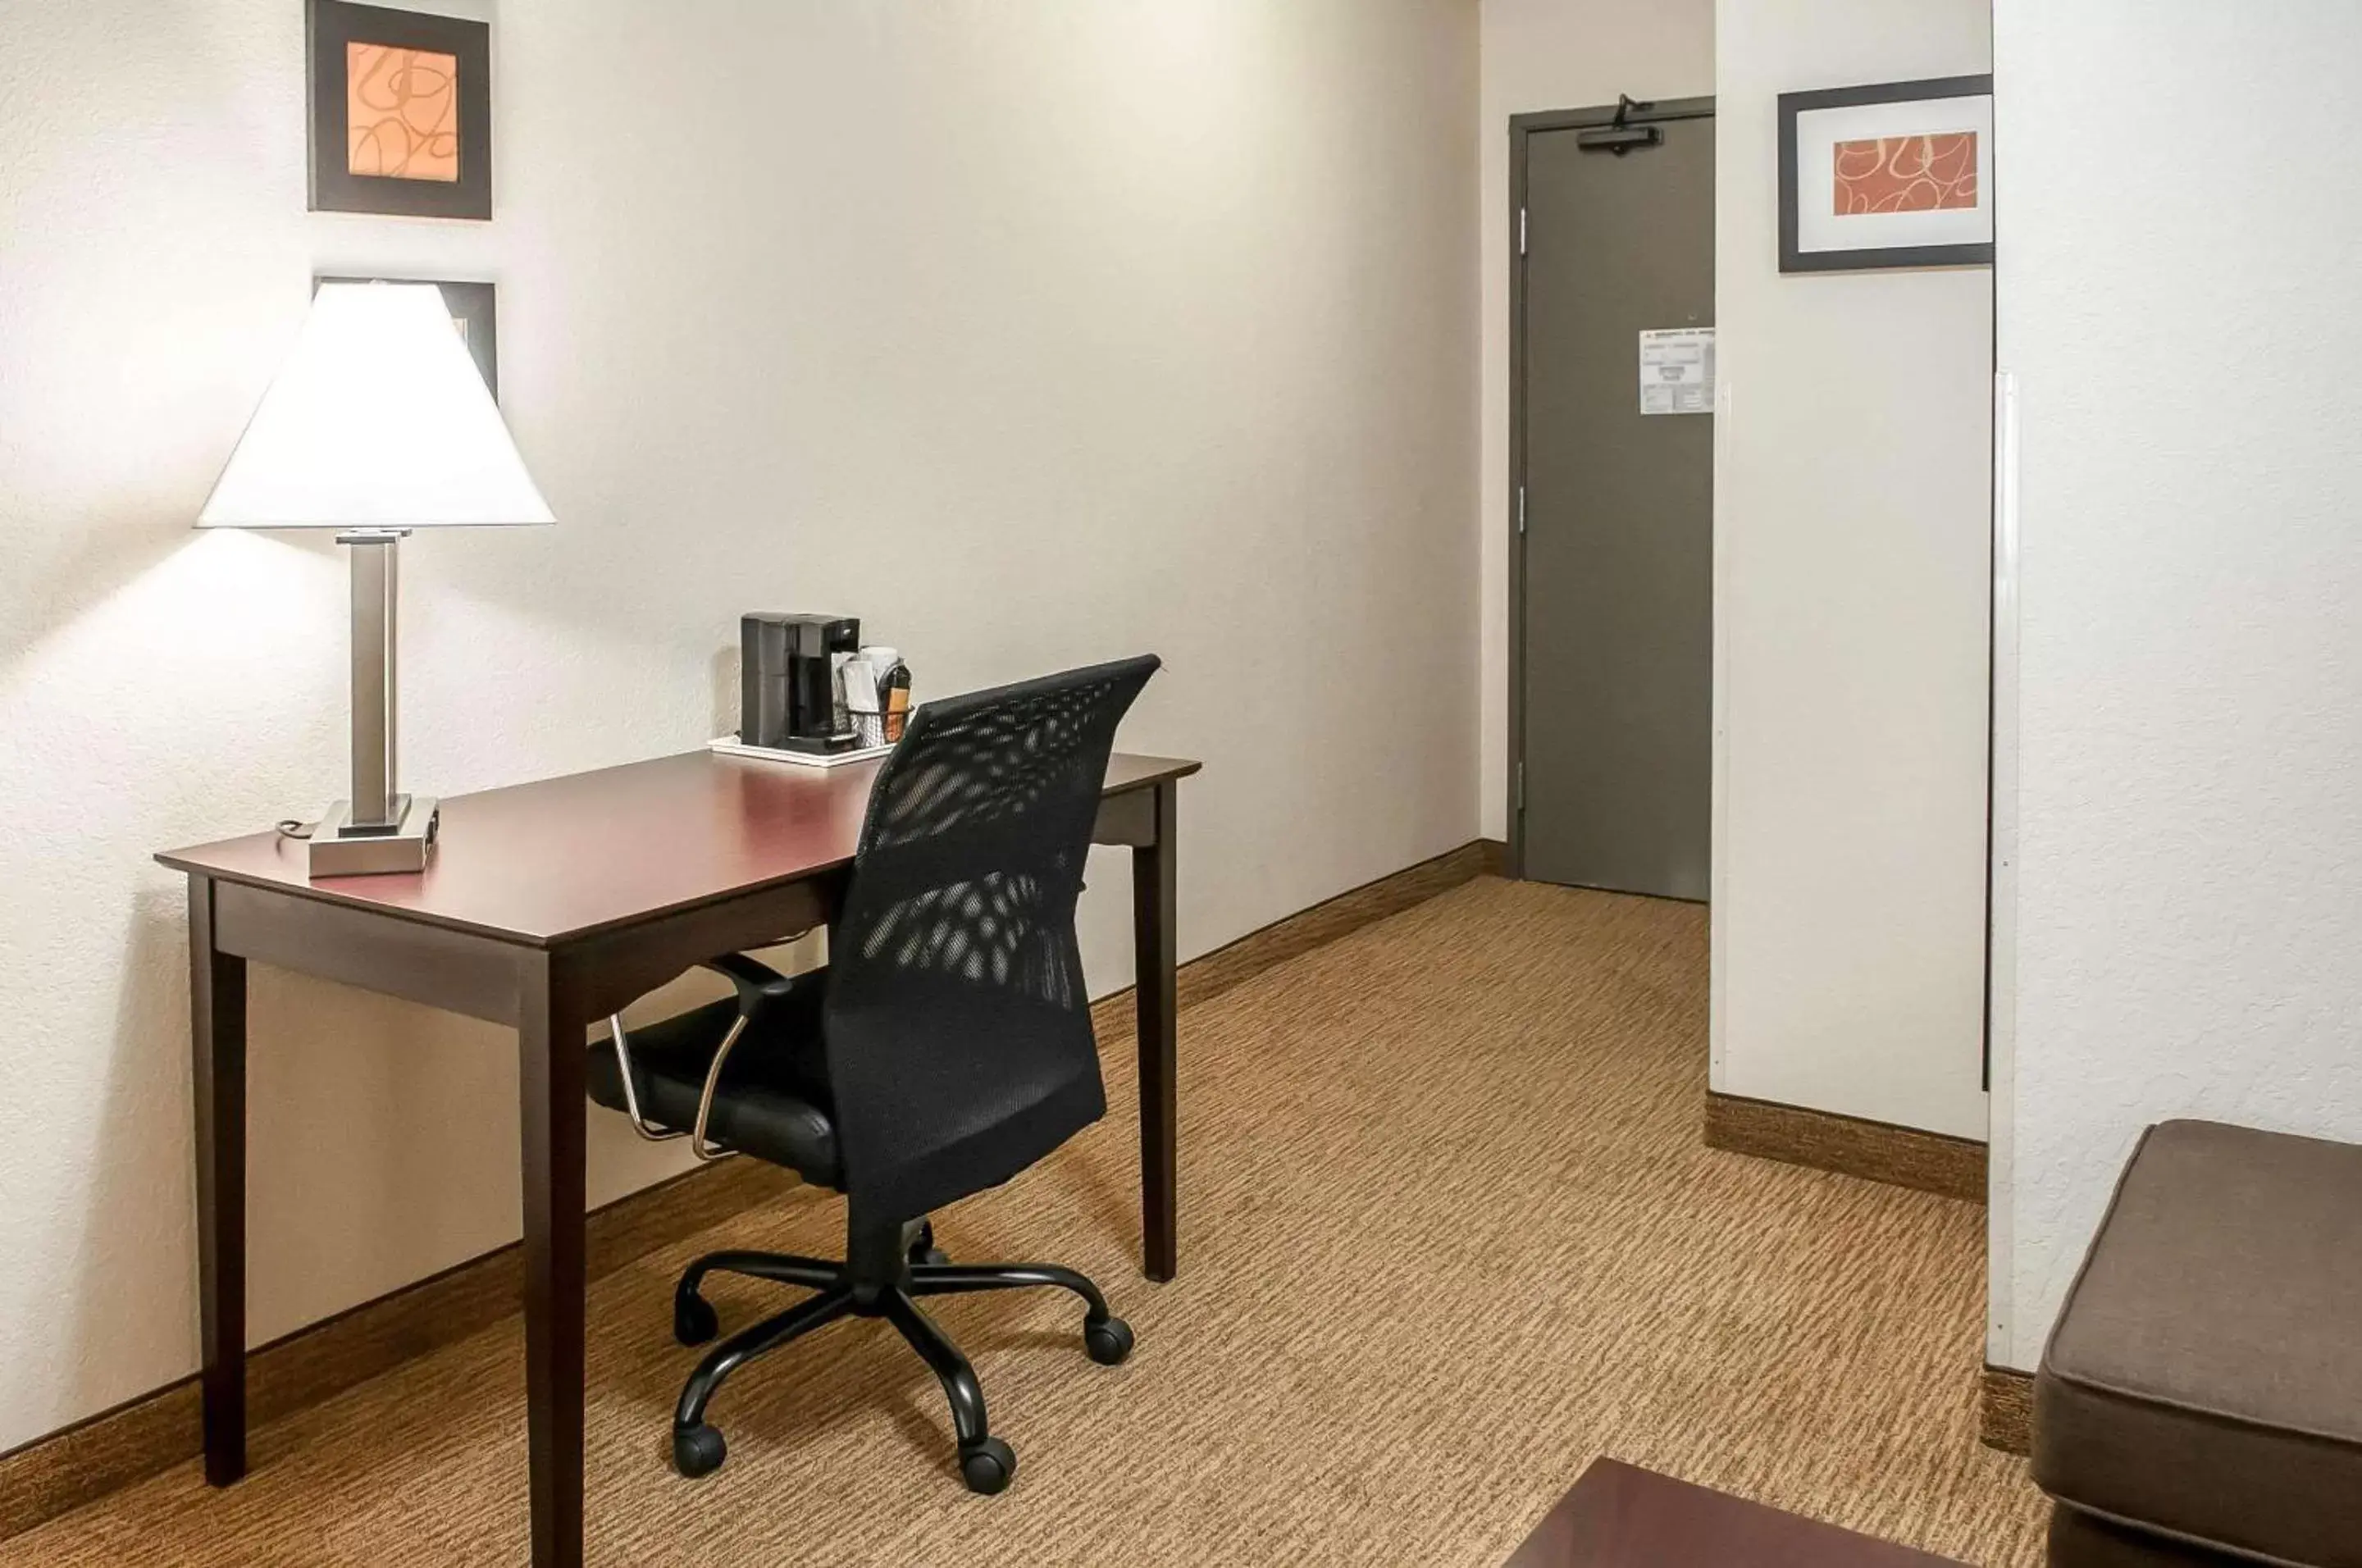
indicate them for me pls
(1614, 681)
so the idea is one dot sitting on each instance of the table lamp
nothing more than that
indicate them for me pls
(378, 422)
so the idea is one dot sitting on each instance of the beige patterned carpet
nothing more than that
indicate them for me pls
(1448, 1233)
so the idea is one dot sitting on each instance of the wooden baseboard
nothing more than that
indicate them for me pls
(53, 1474)
(65, 1470)
(2005, 1411)
(1903, 1157)
(1204, 979)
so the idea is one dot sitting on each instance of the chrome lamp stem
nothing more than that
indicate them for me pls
(376, 568)
(379, 831)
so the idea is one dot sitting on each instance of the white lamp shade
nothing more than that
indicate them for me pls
(378, 419)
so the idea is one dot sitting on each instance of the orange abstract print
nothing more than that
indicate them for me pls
(402, 111)
(1908, 173)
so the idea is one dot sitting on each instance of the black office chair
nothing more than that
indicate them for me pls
(945, 1048)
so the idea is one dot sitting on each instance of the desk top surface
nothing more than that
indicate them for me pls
(562, 857)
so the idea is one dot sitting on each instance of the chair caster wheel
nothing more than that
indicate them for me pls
(1108, 1342)
(988, 1465)
(697, 1451)
(924, 1251)
(694, 1321)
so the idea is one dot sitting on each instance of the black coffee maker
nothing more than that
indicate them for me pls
(789, 696)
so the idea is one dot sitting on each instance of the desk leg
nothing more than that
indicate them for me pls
(1152, 970)
(550, 1050)
(218, 1041)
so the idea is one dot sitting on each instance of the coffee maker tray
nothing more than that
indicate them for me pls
(730, 745)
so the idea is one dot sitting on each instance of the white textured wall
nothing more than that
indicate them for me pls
(2179, 309)
(1851, 542)
(1538, 55)
(1036, 332)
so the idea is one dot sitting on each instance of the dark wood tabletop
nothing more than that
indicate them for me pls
(1620, 1516)
(560, 859)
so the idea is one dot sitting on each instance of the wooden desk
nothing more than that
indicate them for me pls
(548, 907)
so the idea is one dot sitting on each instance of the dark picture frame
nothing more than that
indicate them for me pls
(331, 28)
(474, 308)
(1793, 257)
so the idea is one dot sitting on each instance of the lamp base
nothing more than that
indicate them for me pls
(338, 848)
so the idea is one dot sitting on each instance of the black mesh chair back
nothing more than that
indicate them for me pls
(958, 1030)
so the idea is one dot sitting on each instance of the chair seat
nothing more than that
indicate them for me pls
(773, 1102)
(2205, 1378)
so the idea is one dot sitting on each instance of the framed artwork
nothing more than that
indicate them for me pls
(473, 316)
(1898, 175)
(402, 111)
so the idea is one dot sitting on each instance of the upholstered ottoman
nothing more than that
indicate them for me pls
(2200, 1399)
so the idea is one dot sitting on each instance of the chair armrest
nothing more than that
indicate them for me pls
(755, 983)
